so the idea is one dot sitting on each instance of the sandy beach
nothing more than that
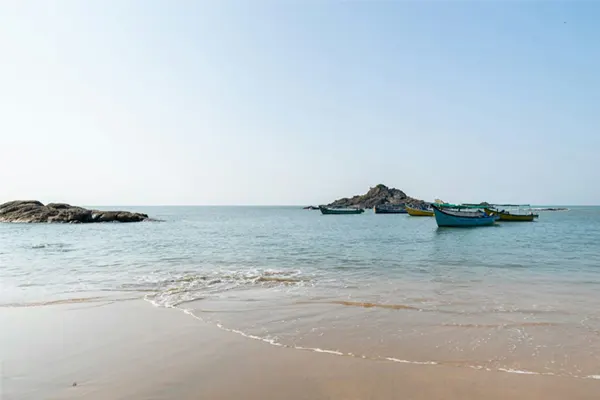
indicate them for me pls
(209, 200)
(131, 350)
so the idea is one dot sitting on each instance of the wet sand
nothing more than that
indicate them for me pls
(131, 350)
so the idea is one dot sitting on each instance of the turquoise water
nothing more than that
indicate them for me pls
(513, 297)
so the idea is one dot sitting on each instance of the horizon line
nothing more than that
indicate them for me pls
(287, 205)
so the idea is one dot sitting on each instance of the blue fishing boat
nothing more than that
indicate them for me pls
(456, 216)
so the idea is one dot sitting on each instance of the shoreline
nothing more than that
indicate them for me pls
(333, 352)
(132, 350)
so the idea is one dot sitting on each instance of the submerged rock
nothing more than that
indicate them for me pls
(33, 211)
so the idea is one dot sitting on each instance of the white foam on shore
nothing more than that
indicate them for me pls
(480, 368)
(523, 372)
(274, 342)
(318, 350)
(397, 360)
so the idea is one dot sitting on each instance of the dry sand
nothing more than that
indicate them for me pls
(131, 350)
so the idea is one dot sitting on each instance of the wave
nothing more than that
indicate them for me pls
(280, 280)
(193, 287)
(374, 305)
(274, 342)
(435, 309)
(76, 300)
(54, 302)
(350, 267)
(507, 325)
(53, 247)
(50, 245)
(125, 289)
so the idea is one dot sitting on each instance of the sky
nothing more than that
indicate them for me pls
(288, 102)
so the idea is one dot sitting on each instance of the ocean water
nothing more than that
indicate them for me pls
(516, 297)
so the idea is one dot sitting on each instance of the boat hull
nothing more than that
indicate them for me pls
(446, 219)
(415, 212)
(334, 211)
(505, 216)
(389, 211)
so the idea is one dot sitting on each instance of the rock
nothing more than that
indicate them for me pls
(58, 206)
(378, 196)
(310, 208)
(31, 211)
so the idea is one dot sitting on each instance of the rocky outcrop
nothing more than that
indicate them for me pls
(378, 196)
(32, 211)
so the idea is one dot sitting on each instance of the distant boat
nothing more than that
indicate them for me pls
(336, 211)
(389, 209)
(449, 215)
(515, 212)
(419, 212)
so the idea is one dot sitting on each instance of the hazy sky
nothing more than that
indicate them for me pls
(299, 102)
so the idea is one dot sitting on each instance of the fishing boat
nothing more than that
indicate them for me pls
(451, 215)
(512, 212)
(340, 211)
(389, 209)
(419, 212)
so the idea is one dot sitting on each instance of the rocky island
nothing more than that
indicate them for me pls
(379, 195)
(33, 211)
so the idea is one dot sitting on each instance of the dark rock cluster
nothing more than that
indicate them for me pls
(33, 211)
(379, 195)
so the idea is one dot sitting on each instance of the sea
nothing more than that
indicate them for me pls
(514, 297)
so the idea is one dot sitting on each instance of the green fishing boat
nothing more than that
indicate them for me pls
(340, 211)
